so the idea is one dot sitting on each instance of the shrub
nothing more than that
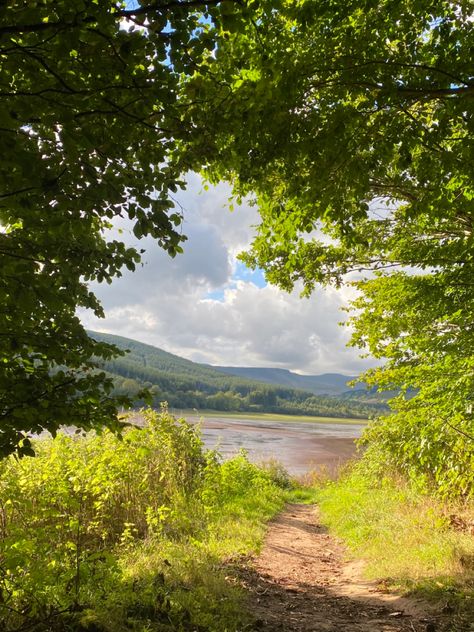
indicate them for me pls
(75, 519)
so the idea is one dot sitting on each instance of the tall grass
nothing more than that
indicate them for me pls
(405, 537)
(103, 534)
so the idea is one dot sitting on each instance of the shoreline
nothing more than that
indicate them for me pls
(299, 447)
(275, 417)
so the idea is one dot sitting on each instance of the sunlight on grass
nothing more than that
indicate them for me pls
(141, 534)
(404, 537)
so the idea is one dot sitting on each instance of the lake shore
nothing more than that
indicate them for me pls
(210, 414)
(300, 446)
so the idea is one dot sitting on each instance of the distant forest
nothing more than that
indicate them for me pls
(188, 385)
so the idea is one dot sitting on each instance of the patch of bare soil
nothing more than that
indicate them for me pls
(301, 583)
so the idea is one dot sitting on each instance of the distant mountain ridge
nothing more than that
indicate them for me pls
(324, 384)
(186, 384)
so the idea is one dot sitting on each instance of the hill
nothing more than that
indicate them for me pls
(186, 384)
(330, 384)
(325, 384)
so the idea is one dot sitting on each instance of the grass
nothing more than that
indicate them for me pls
(146, 534)
(191, 584)
(271, 417)
(405, 538)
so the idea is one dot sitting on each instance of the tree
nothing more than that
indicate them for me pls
(89, 116)
(351, 124)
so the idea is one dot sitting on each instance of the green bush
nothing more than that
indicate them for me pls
(75, 519)
(435, 456)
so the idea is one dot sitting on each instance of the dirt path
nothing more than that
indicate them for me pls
(300, 583)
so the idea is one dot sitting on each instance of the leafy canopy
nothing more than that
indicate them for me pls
(352, 125)
(89, 114)
(350, 122)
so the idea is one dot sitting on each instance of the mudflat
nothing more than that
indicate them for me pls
(299, 446)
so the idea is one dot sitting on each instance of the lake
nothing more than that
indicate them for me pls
(299, 446)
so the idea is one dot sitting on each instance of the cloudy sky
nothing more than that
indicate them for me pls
(206, 306)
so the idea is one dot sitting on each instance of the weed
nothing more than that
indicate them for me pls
(103, 535)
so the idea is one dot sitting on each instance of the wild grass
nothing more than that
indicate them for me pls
(99, 534)
(406, 538)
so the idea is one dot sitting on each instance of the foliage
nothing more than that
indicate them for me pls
(351, 124)
(406, 538)
(424, 447)
(89, 114)
(427, 346)
(127, 534)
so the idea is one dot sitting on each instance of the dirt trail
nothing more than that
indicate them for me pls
(300, 583)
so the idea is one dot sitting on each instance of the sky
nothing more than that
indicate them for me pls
(206, 306)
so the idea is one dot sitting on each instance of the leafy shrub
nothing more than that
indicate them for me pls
(75, 519)
(277, 472)
(434, 455)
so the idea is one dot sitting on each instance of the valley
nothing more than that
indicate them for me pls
(184, 384)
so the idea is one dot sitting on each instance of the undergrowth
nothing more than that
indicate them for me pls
(105, 535)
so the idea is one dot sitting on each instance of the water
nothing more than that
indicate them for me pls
(299, 446)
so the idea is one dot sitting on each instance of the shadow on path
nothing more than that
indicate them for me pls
(299, 583)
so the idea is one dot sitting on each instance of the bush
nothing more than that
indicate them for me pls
(75, 519)
(436, 455)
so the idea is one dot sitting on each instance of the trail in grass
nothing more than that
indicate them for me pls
(301, 583)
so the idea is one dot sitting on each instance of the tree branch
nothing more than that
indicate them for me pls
(174, 4)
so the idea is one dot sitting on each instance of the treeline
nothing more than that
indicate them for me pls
(185, 384)
(265, 399)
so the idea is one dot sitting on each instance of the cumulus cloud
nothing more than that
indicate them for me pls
(203, 306)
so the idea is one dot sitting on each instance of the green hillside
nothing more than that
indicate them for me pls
(329, 384)
(186, 384)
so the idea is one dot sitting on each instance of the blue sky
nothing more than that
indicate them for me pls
(240, 273)
(243, 273)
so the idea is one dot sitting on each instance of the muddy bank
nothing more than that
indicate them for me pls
(298, 446)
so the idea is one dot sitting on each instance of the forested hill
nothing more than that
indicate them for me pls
(325, 384)
(186, 384)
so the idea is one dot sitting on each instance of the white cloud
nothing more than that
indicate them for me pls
(168, 302)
